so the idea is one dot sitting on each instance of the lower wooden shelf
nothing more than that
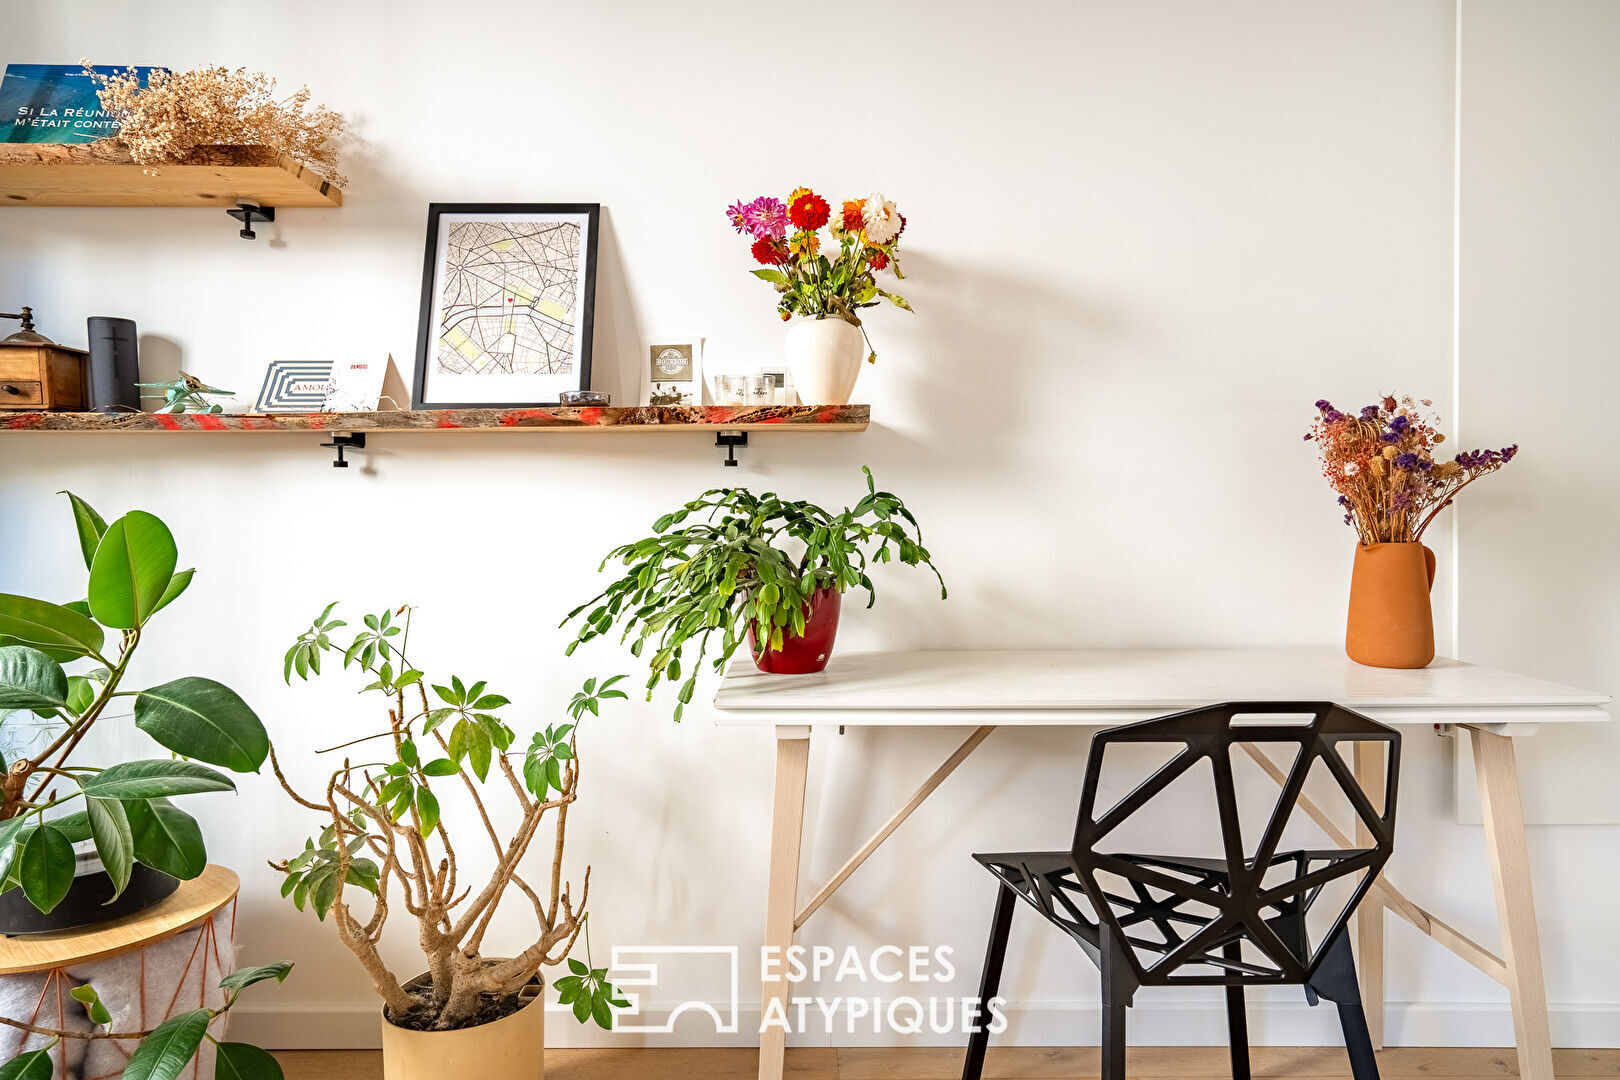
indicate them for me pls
(644, 418)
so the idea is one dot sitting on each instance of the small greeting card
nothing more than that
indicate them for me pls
(356, 386)
(672, 371)
(294, 386)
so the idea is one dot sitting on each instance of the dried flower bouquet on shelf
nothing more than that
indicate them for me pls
(1381, 462)
(175, 113)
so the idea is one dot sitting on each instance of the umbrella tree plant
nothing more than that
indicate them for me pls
(63, 666)
(383, 834)
(748, 561)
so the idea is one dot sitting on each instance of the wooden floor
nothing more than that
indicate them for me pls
(1013, 1063)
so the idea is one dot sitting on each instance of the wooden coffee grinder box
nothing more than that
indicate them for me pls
(38, 374)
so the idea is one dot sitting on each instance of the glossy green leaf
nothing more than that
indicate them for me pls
(166, 838)
(55, 629)
(177, 585)
(242, 978)
(244, 1061)
(200, 718)
(30, 680)
(75, 826)
(34, 1065)
(86, 995)
(81, 694)
(131, 570)
(164, 1054)
(45, 866)
(90, 525)
(109, 827)
(427, 808)
(10, 834)
(323, 888)
(151, 779)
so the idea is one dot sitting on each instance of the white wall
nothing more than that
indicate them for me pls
(1143, 239)
(1538, 263)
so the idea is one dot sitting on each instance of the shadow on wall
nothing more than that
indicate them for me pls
(1003, 348)
(991, 396)
(616, 348)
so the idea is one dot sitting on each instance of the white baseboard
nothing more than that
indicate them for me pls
(1161, 1022)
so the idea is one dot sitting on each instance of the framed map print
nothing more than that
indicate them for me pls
(508, 291)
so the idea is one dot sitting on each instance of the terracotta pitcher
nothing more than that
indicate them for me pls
(1390, 623)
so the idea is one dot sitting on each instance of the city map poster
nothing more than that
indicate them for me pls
(507, 298)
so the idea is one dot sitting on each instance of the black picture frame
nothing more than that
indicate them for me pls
(424, 332)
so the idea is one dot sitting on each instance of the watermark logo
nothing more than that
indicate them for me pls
(863, 990)
(629, 975)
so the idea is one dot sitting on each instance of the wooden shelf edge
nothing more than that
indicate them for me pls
(103, 174)
(640, 418)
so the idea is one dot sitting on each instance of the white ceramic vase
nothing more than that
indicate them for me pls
(825, 358)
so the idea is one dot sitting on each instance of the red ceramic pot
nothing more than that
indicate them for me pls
(803, 654)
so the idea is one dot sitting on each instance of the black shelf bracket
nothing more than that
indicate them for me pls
(247, 212)
(730, 442)
(341, 443)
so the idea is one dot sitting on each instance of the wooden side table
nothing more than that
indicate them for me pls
(147, 967)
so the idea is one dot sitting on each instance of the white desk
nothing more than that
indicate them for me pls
(1099, 688)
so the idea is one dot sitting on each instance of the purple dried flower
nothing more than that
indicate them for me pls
(1369, 412)
(1399, 424)
(1390, 436)
(1508, 452)
(1323, 404)
(1347, 519)
(1333, 415)
(1407, 461)
(1343, 501)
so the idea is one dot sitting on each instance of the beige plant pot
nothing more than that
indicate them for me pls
(511, 1048)
(825, 357)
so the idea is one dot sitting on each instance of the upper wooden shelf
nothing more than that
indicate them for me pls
(628, 418)
(102, 174)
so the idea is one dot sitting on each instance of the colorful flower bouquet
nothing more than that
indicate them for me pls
(1380, 461)
(788, 246)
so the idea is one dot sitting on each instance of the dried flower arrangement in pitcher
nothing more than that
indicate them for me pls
(1381, 462)
(175, 113)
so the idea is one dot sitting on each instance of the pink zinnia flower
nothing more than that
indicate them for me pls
(737, 214)
(766, 218)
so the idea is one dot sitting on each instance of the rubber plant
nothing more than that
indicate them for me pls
(745, 560)
(384, 840)
(162, 1052)
(51, 798)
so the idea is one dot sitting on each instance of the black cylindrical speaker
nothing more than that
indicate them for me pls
(114, 364)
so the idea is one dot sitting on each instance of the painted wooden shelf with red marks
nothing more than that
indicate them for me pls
(649, 418)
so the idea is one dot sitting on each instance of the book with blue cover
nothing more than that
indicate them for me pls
(56, 103)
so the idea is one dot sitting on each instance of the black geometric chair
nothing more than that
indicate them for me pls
(1234, 920)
